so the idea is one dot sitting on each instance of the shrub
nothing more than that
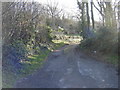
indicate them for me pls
(13, 53)
(105, 41)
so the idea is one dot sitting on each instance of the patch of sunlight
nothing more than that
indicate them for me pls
(34, 62)
(68, 39)
(31, 57)
(60, 41)
(27, 62)
(35, 55)
(50, 49)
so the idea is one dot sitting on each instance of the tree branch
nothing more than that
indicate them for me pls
(99, 10)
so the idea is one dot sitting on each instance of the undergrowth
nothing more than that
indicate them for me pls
(105, 43)
(28, 65)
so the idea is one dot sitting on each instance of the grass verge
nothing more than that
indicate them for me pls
(108, 58)
(32, 64)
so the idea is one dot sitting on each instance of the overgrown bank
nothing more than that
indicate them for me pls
(26, 39)
(17, 64)
(100, 37)
(104, 45)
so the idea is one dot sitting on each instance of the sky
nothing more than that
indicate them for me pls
(69, 6)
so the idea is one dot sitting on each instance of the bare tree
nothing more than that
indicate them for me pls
(54, 12)
(107, 12)
(92, 16)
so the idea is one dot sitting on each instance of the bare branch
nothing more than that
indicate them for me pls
(98, 10)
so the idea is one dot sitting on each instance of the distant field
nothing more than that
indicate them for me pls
(68, 39)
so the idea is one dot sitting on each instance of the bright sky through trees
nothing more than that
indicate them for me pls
(69, 6)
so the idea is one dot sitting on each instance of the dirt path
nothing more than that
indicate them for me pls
(70, 69)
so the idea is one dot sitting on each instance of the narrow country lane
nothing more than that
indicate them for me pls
(71, 70)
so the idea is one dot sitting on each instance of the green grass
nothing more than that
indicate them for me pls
(33, 63)
(58, 45)
(113, 59)
(109, 58)
(68, 41)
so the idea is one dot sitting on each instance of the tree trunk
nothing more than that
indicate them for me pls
(88, 18)
(83, 20)
(92, 16)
